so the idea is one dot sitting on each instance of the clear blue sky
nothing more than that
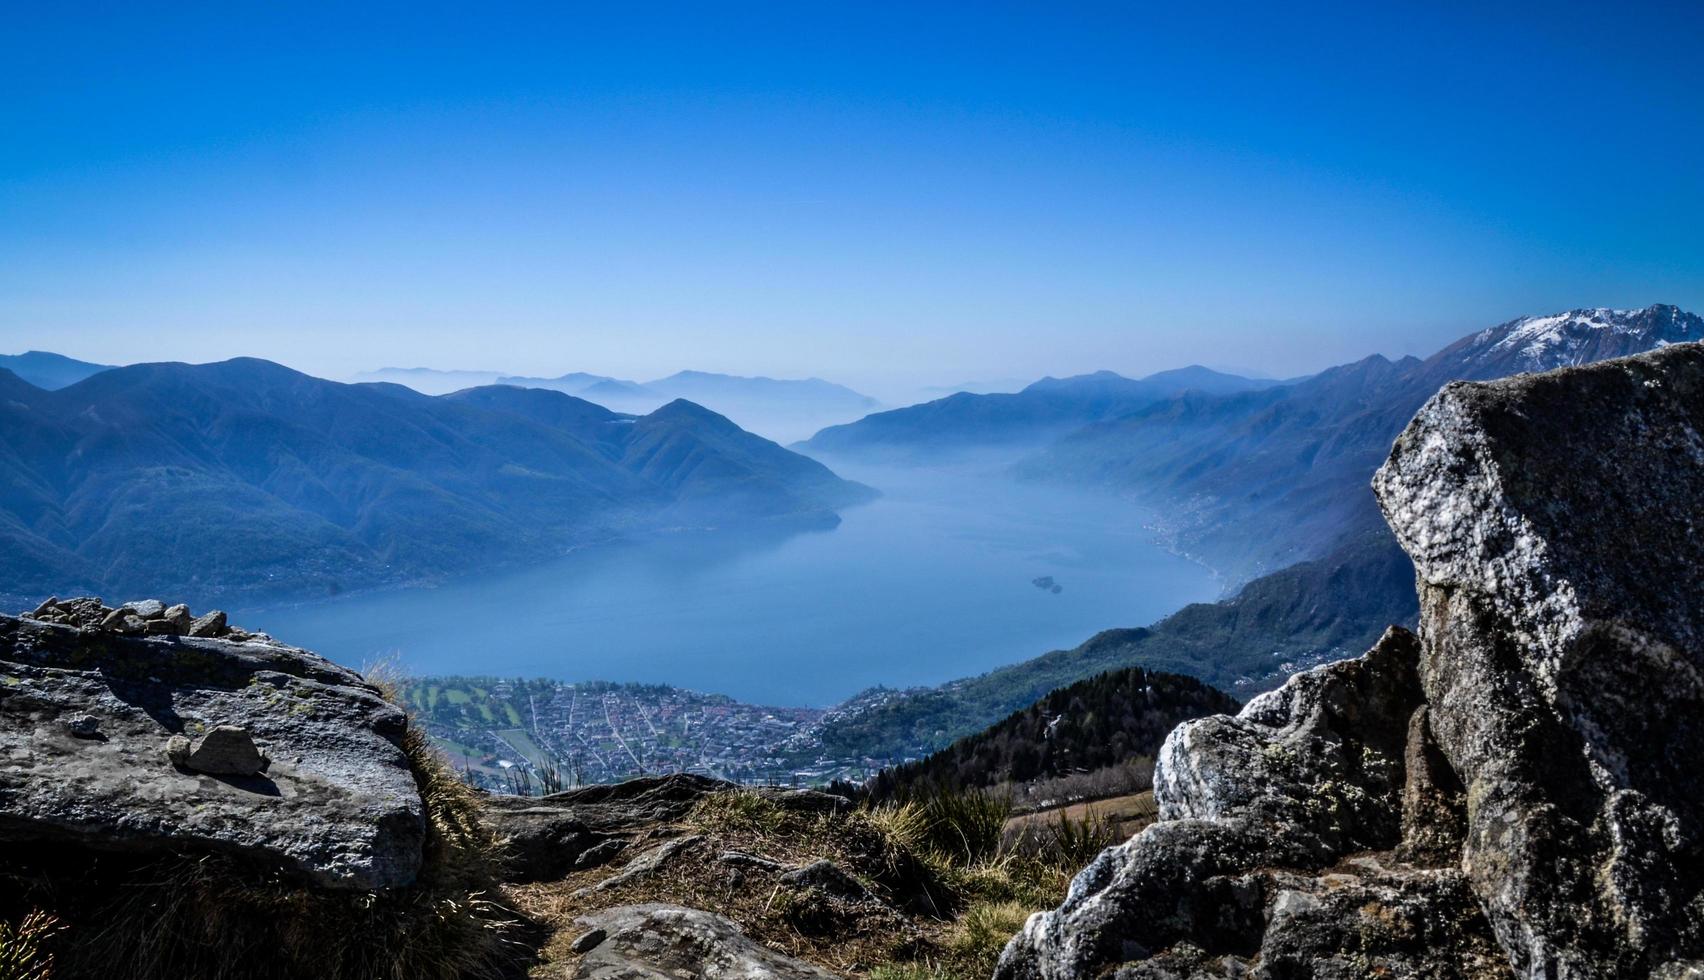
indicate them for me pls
(859, 191)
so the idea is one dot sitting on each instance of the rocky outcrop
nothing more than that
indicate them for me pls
(1513, 794)
(1268, 820)
(662, 942)
(579, 828)
(140, 617)
(1553, 523)
(145, 739)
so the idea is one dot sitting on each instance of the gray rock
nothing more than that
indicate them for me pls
(828, 878)
(179, 617)
(177, 750)
(600, 853)
(83, 726)
(1434, 807)
(1376, 923)
(588, 941)
(1321, 757)
(804, 800)
(338, 805)
(226, 750)
(1301, 777)
(1552, 521)
(740, 859)
(49, 605)
(541, 841)
(644, 864)
(212, 624)
(666, 942)
(146, 608)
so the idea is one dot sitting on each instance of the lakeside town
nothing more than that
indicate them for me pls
(536, 736)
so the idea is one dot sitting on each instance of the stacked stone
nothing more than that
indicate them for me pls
(142, 617)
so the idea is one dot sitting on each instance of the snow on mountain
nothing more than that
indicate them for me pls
(1540, 343)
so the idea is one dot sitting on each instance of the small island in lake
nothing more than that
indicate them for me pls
(1046, 584)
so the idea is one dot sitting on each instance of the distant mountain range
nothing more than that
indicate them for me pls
(1276, 477)
(48, 370)
(1048, 408)
(782, 409)
(1258, 480)
(245, 477)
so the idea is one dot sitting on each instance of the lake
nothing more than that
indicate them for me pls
(935, 580)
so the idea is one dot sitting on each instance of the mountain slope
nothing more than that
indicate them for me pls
(1049, 407)
(247, 477)
(1258, 481)
(430, 381)
(783, 409)
(1104, 721)
(48, 370)
(1279, 623)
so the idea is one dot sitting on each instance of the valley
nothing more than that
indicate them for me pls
(931, 581)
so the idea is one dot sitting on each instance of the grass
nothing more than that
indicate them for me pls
(952, 893)
(23, 947)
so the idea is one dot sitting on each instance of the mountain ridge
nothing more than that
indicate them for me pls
(47, 370)
(1259, 483)
(244, 476)
(1049, 406)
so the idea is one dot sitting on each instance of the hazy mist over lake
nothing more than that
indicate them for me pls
(933, 581)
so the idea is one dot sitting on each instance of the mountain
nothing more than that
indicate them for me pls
(1107, 720)
(47, 370)
(994, 387)
(431, 381)
(1276, 477)
(1507, 757)
(782, 409)
(1257, 480)
(245, 477)
(1048, 408)
(1275, 625)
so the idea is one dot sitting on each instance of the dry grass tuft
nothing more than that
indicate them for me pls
(23, 947)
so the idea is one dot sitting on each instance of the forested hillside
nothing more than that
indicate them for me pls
(1104, 721)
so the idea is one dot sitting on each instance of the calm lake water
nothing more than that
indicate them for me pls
(933, 581)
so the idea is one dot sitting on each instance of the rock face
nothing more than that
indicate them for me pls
(1270, 821)
(166, 743)
(1514, 794)
(1552, 521)
(663, 942)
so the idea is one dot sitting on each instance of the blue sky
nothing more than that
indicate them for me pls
(874, 193)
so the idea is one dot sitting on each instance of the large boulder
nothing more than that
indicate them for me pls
(161, 743)
(1553, 523)
(665, 942)
(1258, 813)
(1513, 795)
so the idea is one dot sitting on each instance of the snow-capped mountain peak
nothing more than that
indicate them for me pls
(1540, 343)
